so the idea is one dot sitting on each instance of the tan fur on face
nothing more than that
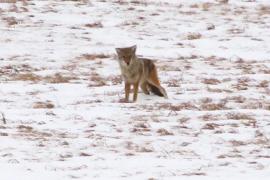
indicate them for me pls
(126, 54)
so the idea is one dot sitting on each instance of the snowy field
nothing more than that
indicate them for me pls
(60, 111)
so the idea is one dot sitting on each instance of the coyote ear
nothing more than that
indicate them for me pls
(118, 50)
(133, 48)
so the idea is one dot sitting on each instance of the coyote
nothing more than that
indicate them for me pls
(138, 71)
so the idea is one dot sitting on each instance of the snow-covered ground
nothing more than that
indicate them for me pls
(61, 88)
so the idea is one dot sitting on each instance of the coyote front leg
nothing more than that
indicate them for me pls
(127, 91)
(135, 86)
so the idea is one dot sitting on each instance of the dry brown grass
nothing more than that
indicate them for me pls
(11, 21)
(96, 80)
(94, 56)
(130, 23)
(242, 84)
(3, 134)
(210, 126)
(206, 6)
(235, 31)
(8, 1)
(255, 104)
(214, 106)
(85, 154)
(164, 132)
(194, 6)
(211, 81)
(139, 2)
(206, 100)
(238, 143)
(116, 79)
(173, 83)
(94, 25)
(25, 128)
(217, 90)
(264, 10)
(27, 77)
(31, 133)
(239, 116)
(10, 70)
(210, 26)
(263, 84)
(54, 78)
(58, 78)
(176, 107)
(43, 105)
(223, 1)
(209, 117)
(193, 36)
(238, 99)
(195, 174)
(141, 127)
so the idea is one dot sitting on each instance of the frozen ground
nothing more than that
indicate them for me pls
(60, 90)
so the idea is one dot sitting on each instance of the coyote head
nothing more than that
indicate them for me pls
(125, 55)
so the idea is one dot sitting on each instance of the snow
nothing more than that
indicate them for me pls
(61, 89)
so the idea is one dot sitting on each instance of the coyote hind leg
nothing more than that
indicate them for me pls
(154, 84)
